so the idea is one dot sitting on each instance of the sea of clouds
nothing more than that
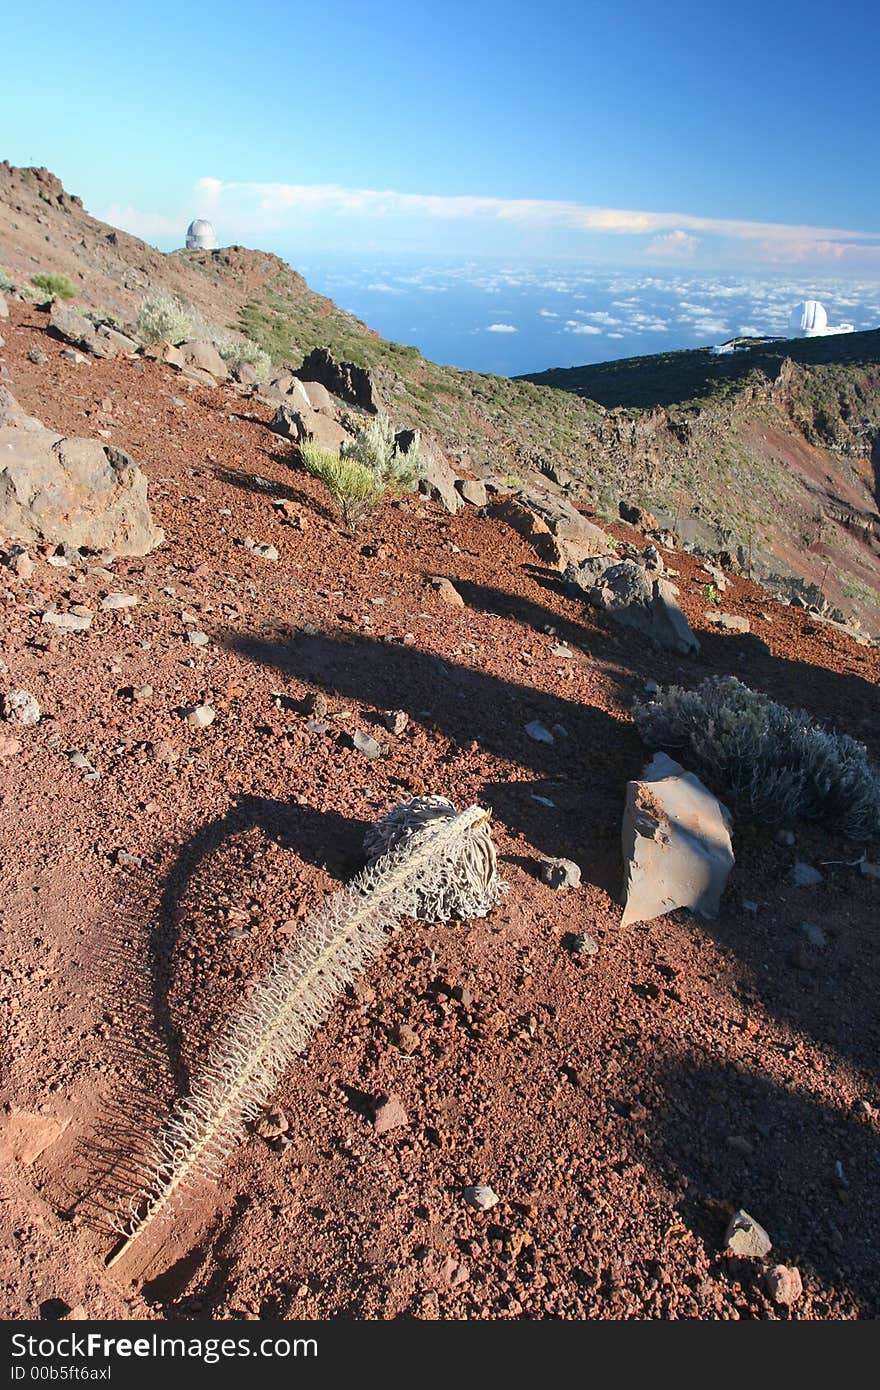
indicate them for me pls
(508, 319)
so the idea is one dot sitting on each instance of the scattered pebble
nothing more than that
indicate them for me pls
(114, 601)
(389, 1114)
(745, 1236)
(584, 945)
(783, 1284)
(370, 747)
(8, 747)
(805, 876)
(560, 873)
(200, 716)
(20, 707)
(813, 935)
(785, 837)
(395, 720)
(538, 733)
(563, 653)
(69, 622)
(447, 591)
(19, 561)
(81, 762)
(197, 639)
(481, 1197)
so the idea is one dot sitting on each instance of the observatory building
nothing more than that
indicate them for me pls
(810, 320)
(200, 236)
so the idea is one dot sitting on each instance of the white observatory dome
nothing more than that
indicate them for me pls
(808, 320)
(200, 236)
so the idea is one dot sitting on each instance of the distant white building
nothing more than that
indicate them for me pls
(200, 236)
(809, 319)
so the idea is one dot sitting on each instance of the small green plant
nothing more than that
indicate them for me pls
(5, 282)
(238, 351)
(162, 318)
(771, 763)
(711, 594)
(58, 286)
(354, 486)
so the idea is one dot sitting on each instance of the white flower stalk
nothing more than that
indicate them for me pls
(282, 1012)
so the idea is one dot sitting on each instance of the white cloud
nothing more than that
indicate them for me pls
(572, 326)
(145, 224)
(675, 246)
(548, 314)
(267, 205)
(501, 328)
(379, 287)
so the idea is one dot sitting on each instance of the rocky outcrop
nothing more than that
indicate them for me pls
(439, 481)
(79, 332)
(66, 491)
(632, 597)
(307, 424)
(350, 383)
(555, 529)
(676, 844)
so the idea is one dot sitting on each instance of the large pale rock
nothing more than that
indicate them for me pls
(308, 425)
(65, 323)
(555, 530)
(439, 482)
(204, 357)
(164, 351)
(676, 844)
(632, 597)
(317, 397)
(577, 536)
(75, 492)
(4, 308)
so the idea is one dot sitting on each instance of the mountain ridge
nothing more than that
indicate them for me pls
(778, 461)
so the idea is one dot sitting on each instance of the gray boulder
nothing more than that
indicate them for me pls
(4, 308)
(80, 493)
(676, 844)
(65, 323)
(627, 593)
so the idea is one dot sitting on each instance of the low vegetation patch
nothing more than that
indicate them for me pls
(374, 446)
(244, 351)
(5, 282)
(56, 285)
(770, 763)
(162, 318)
(354, 486)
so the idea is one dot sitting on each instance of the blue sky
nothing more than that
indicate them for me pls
(742, 137)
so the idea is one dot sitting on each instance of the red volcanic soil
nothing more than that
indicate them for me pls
(621, 1106)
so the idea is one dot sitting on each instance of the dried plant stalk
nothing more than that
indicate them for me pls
(282, 1012)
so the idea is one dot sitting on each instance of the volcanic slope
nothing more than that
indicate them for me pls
(621, 1105)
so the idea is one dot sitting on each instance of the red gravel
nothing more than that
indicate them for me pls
(622, 1108)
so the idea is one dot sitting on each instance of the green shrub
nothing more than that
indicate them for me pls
(5, 282)
(354, 486)
(769, 762)
(235, 352)
(374, 448)
(161, 318)
(58, 286)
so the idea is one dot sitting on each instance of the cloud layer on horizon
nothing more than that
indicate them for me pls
(329, 214)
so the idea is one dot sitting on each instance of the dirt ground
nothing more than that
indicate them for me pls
(622, 1106)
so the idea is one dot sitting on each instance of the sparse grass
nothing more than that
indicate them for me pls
(162, 318)
(354, 486)
(57, 285)
(772, 764)
(5, 282)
